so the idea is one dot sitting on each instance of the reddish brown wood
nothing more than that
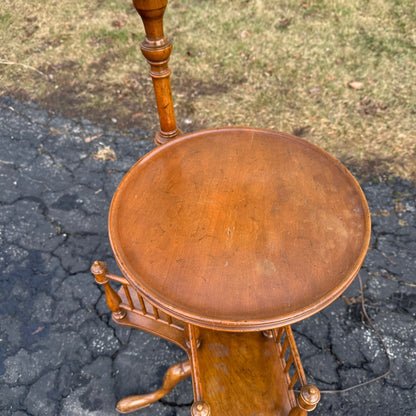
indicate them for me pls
(200, 408)
(141, 315)
(99, 270)
(233, 229)
(239, 229)
(193, 343)
(173, 376)
(294, 357)
(156, 48)
(137, 312)
(308, 398)
(241, 374)
(132, 309)
(257, 358)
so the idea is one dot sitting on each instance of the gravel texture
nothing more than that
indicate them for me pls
(60, 354)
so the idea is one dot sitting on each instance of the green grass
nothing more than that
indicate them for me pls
(287, 65)
(5, 21)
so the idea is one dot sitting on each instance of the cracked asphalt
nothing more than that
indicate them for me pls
(60, 353)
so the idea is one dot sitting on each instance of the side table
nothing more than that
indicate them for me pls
(226, 237)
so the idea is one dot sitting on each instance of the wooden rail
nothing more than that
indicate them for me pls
(130, 308)
(309, 394)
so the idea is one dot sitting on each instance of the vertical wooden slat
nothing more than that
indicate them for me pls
(126, 291)
(155, 312)
(279, 334)
(143, 306)
(284, 347)
(288, 363)
(296, 358)
(293, 380)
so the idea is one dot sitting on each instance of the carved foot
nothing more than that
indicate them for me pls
(173, 376)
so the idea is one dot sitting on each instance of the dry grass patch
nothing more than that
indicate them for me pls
(339, 73)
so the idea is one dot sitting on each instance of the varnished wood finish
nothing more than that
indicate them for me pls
(130, 308)
(158, 323)
(308, 398)
(240, 374)
(277, 345)
(233, 229)
(156, 48)
(201, 408)
(239, 229)
(99, 270)
(173, 376)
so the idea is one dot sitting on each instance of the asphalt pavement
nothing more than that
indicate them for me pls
(60, 353)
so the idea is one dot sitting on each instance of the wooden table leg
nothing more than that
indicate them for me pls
(173, 376)
(199, 407)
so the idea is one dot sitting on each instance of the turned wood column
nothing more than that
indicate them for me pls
(99, 270)
(156, 48)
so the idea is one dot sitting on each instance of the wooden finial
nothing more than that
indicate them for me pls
(308, 398)
(268, 334)
(200, 408)
(156, 48)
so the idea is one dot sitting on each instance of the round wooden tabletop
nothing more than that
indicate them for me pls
(239, 229)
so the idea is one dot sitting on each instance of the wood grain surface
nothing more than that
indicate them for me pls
(239, 228)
